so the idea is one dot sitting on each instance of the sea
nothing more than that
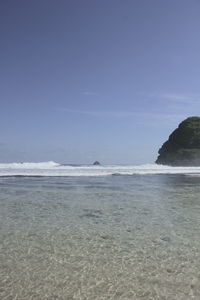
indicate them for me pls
(89, 232)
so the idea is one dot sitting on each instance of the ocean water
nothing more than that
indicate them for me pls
(108, 232)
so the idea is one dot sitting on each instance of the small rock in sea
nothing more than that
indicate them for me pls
(96, 163)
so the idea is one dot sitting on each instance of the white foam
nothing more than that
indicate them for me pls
(30, 165)
(54, 169)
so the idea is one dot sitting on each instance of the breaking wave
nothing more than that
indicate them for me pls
(54, 169)
(30, 165)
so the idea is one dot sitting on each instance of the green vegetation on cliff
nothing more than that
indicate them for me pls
(183, 146)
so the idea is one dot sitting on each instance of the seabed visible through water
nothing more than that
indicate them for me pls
(114, 237)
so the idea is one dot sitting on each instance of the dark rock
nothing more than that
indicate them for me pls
(166, 239)
(106, 237)
(183, 146)
(96, 163)
(93, 211)
(89, 215)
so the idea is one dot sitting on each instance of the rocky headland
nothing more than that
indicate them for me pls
(183, 146)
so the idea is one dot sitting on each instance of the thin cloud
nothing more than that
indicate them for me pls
(179, 98)
(99, 113)
(125, 114)
(89, 93)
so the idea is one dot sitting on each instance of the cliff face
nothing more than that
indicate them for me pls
(183, 146)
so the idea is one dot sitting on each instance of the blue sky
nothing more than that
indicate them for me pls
(89, 80)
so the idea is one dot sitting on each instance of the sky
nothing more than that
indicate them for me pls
(104, 80)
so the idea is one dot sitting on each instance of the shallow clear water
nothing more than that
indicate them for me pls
(108, 237)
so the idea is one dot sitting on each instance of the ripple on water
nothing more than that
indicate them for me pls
(144, 245)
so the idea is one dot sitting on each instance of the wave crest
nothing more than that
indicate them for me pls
(30, 165)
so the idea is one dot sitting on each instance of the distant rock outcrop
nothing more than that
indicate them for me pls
(96, 163)
(183, 146)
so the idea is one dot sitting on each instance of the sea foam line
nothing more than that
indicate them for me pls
(54, 169)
